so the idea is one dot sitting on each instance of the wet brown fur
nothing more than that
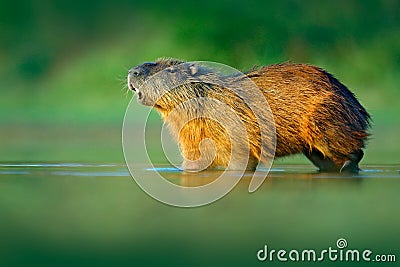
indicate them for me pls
(314, 114)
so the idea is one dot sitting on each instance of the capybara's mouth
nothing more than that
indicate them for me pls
(132, 87)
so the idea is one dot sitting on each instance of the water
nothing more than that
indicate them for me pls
(63, 214)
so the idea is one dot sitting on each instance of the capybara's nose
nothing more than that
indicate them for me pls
(134, 72)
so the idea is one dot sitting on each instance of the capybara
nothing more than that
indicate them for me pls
(313, 113)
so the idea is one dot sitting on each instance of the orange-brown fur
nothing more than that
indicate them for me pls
(313, 113)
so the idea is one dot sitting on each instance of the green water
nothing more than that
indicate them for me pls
(73, 214)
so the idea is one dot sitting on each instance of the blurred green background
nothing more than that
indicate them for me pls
(64, 63)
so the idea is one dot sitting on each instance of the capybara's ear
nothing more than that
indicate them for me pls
(193, 69)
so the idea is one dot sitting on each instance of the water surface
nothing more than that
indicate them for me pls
(70, 213)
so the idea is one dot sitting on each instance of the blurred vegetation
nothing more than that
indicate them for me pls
(64, 63)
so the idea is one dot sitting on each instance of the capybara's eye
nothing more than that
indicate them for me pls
(171, 70)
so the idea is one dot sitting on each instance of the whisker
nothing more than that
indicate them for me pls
(124, 84)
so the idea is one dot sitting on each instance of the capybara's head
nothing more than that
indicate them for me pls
(156, 82)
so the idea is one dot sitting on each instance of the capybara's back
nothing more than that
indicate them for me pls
(314, 114)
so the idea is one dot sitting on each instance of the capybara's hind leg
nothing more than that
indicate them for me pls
(351, 165)
(324, 164)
